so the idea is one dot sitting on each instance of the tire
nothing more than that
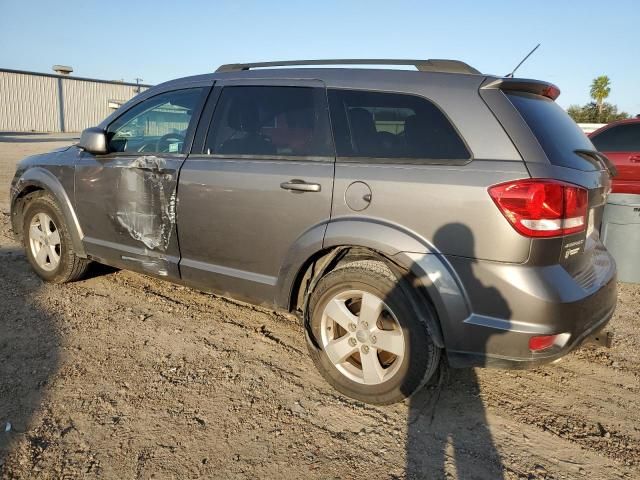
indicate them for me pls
(377, 370)
(43, 218)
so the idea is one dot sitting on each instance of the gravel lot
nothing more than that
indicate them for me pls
(123, 376)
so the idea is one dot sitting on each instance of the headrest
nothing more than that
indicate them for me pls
(244, 115)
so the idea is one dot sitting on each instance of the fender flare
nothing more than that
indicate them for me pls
(45, 180)
(432, 272)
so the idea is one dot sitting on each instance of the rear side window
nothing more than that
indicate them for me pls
(392, 125)
(621, 138)
(557, 133)
(272, 121)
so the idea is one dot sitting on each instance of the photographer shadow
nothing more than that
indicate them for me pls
(447, 431)
(29, 357)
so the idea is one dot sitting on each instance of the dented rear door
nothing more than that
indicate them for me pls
(126, 199)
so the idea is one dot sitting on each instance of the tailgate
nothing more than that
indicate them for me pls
(554, 147)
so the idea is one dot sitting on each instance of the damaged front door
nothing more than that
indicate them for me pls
(126, 199)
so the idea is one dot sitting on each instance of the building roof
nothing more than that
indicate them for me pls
(71, 77)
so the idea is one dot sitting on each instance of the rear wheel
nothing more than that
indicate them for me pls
(48, 244)
(373, 346)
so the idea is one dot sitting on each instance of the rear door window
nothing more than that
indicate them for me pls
(558, 135)
(621, 138)
(391, 125)
(270, 121)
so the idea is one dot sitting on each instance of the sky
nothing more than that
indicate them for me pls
(160, 40)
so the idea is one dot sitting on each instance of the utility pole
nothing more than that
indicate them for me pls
(138, 80)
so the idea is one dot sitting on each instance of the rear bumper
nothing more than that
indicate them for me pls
(512, 303)
(527, 359)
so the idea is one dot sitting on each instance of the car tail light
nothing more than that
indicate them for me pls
(542, 207)
(541, 342)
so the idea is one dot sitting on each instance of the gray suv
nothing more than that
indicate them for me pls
(407, 217)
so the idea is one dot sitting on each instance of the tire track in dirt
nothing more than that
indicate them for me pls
(154, 378)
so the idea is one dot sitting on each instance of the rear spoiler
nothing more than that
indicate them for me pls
(599, 160)
(536, 87)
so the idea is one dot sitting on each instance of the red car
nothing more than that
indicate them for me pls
(620, 142)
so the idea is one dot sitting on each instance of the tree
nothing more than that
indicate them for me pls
(594, 113)
(600, 89)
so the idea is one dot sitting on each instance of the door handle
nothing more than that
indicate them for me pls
(635, 158)
(298, 185)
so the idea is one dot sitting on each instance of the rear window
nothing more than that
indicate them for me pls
(390, 125)
(557, 133)
(621, 138)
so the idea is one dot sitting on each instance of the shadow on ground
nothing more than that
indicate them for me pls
(29, 354)
(447, 431)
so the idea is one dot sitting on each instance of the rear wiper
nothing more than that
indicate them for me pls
(599, 160)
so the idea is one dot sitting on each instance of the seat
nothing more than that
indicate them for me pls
(364, 133)
(244, 118)
(427, 136)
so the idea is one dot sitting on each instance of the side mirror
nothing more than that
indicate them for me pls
(93, 140)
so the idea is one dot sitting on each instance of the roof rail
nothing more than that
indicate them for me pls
(435, 65)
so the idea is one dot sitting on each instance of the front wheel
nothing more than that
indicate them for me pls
(47, 242)
(372, 345)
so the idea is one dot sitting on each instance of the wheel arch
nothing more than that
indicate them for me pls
(407, 254)
(39, 179)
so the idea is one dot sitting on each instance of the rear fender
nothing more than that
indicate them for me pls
(431, 273)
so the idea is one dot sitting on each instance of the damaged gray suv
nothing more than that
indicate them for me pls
(407, 217)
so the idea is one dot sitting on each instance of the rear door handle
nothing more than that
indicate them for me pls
(635, 158)
(298, 185)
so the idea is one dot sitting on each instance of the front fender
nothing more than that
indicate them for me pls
(42, 179)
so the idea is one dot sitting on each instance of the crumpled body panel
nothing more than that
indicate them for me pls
(146, 197)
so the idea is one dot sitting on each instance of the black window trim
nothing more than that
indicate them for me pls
(198, 150)
(403, 160)
(189, 137)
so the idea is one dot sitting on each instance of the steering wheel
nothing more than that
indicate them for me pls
(162, 145)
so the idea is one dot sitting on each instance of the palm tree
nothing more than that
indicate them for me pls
(600, 88)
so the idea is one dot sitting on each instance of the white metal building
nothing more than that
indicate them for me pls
(43, 102)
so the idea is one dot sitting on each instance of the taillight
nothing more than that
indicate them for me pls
(542, 207)
(542, 342)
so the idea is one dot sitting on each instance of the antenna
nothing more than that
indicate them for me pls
(510, 75)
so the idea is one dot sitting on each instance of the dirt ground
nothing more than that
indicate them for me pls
(122, 376)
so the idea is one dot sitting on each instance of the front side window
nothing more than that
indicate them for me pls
(272, 121)
(156, 125)
(621, 138)
(391, 125)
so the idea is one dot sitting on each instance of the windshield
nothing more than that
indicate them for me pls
(558, 134)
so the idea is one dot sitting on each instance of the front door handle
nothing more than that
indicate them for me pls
(298, 185)
(635, 158)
